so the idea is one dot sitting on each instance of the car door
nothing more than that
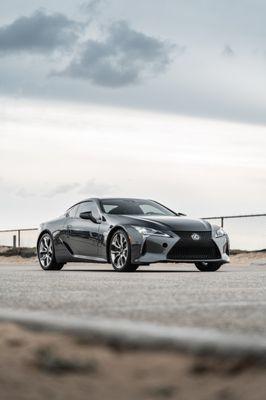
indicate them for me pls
(84, 233)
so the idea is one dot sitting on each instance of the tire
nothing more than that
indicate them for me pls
(208, 266)
(46, 253)
(120, 252)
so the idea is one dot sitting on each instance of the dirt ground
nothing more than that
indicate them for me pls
(37, 366)
(18, 260)
(247, 258)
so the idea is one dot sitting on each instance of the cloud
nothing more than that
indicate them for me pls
(125, 57)
(92, 188)
(24, 193)
(63, 189)
(91, 7)
(228, 52)
(40, 33)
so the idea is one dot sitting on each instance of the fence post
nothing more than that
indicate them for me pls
(222, 222)
(19, 239)
(14, 241)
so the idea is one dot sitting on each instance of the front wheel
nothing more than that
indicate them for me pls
(120, 252)
(208, 266)
(46, 254)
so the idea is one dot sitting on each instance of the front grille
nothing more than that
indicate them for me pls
(188, 249)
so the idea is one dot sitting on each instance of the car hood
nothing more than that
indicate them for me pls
(169, 223)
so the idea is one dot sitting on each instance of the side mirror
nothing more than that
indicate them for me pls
(88, 215)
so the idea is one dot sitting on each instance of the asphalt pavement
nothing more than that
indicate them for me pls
(232, 300)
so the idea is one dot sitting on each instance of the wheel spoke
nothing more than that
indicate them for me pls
(120, 262)
(43, 246)
(46, 242)
(124, 243)
(115, 245)
(115, 251)
(117, 255)
(119, 239)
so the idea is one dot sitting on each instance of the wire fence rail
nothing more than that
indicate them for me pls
(223, 218)
(15, 238)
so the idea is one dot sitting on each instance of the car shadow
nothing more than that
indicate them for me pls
(136, 272)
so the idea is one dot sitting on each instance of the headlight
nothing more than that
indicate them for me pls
(149, 231)
(220, 232)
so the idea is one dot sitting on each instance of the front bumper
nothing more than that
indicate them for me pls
(180, 247)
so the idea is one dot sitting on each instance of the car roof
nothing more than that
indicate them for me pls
(113, 198)
(121, 198)
(106, 198)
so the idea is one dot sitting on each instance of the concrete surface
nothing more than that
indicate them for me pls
(232, 300)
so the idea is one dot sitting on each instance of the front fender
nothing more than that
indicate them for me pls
(135, 238)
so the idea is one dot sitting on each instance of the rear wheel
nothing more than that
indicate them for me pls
(208, 266)
(120, 252)
(46, 254)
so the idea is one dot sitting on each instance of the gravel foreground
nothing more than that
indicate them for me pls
(56, 366)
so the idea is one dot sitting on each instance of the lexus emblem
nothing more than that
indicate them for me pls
(195, 236)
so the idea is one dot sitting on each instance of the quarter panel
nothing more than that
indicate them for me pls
(57, 229)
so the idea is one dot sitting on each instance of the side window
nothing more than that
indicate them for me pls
(85, 207)
(72, 212)
(89, 206)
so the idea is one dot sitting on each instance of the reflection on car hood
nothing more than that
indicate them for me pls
(168, 222)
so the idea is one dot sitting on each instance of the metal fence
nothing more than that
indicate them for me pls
(247, 232)
(223, 218)
(19, 237)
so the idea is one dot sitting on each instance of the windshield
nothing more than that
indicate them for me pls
(134, 207)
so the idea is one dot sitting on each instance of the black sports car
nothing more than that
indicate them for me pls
(129, 233)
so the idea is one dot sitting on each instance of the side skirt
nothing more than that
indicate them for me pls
(85, 258)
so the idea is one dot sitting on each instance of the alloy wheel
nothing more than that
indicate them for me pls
(119, 250)
(46, 251)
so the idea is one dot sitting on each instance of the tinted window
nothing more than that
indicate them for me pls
(150, 209)
(89, 206)
(133, 207)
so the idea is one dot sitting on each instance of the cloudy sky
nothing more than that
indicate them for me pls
(113, 97)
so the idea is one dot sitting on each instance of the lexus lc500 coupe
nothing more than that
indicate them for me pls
(129, 233)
